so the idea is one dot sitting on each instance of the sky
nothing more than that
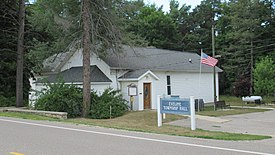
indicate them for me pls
(165, 3)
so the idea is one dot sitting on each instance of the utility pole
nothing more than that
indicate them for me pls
(214, 68)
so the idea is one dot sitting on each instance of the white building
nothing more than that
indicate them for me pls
(153, 71)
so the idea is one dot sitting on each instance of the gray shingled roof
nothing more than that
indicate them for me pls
(57, 61)
(75, 74)
(138, 58)
(156, 60)
(52, 63)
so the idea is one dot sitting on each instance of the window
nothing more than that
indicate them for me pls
(168, 85)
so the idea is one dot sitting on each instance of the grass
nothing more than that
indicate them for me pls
(146, 121)
(208, 111)
(237, 101)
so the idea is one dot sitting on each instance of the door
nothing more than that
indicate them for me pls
(147, 95)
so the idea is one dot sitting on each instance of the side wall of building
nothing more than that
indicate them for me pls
(183, 84)
(186, 84)
(124, 90)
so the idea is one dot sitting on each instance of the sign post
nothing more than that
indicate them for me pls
(159, 114)
(192, 113)
(132, 91)
(132, 101)
(176, 106)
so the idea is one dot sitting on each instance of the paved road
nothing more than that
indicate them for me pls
(53, 138)
(261, 123)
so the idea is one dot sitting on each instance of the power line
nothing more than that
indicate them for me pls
(262, 40)
(240, 50)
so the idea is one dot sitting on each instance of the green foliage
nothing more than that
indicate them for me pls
(51, 26)
(148, 24)
(264, 77)
(242, 29)
(68, 98)
(100, 105)
(8, 50)
(241, 86)
(7, 102)
(59, 24)
(61, 97)
(127, 13)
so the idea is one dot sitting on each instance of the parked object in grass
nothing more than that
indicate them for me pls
(252, 98)
(222, 105)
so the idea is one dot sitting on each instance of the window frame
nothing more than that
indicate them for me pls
(168, 84)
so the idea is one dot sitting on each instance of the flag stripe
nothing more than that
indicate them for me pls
(205, 59)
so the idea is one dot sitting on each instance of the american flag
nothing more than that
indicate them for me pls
(205, 59)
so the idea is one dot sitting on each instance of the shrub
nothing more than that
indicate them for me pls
(100, 105)
(264, 73)
(61, 97)
(7, 102)
(241, 87)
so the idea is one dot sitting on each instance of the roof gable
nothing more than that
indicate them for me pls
(137, 75)
(149, 73)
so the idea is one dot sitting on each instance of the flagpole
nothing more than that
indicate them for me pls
(214, 68)
(199, 84)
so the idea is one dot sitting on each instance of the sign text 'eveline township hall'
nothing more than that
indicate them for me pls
(175, 106)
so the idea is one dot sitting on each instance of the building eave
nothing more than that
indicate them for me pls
(128, 79)
(149, 72)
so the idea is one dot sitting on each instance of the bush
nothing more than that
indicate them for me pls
(264, 73)
(61, 97)
(100, 105)
(7, 102)
(241, 87)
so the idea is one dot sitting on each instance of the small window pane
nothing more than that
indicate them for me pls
(168, 90)
(168, 80)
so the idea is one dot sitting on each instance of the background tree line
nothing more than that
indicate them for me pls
(245, 33)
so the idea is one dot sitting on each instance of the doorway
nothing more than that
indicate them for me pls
(147, 95)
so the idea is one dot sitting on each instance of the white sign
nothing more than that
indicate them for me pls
(132, 91)
(176, 106)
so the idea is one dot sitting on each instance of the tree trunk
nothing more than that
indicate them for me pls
(86, 58)
(20, 55)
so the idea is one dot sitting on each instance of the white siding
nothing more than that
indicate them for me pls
(35, 87)
(186, 85)
(77, 60)
(138, 100)
(182, 83)
(124, 91)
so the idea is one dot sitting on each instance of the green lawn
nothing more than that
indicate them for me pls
(146, 121)
(237, 101)
(209, 111)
